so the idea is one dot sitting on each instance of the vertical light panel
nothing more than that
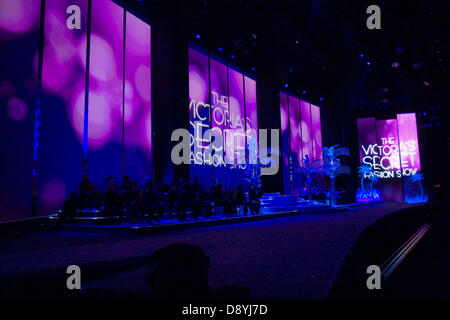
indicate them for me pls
(105, 118)
(409, 143)
(62, 112)
(19, 50)
(316, 132)
(221, 118)
(251, 114)
(386, 160)
(285, 147)
(237, 113)
(199, 115)
(296, 143)
(305, 112)
(137, 117)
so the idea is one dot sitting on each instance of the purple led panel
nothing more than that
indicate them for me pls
(251, 111)
(137, 119)
(199, 115)
(386, 160)
(220, 108)
(305, 114)
(285, 147)
(105, 91)
(316, 132)
(221, 117)
(409, 143)
(62, 113)
(236, 153)
(19, 50)
(295, 141)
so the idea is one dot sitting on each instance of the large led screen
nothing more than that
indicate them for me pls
(223, 119)
(296, 144)
(19, 42)
(52, 132)
(199, 116)
(105, 117)
(62, 112)
(390, 149)
(285, 145)
(137, 117)
(301, 136)
(305, 112)
(387, 159)
(316, 131)
(251, 112)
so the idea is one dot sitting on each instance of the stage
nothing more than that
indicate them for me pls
(272, 206)
(290, 257)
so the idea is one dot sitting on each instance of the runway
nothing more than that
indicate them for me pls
(293, 257)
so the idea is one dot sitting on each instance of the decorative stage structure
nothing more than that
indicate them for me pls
(389, 149)
(222, 103)
(84, 94)
(301, 139)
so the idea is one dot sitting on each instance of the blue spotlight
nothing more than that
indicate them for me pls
(321, 99)
(286, 85)
(368, 63)
(304, 92)
(232, 56)
(220, 49)
(197, 36)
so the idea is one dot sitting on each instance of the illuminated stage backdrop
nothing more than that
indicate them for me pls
(19, 42)
(58, 143)
(285, 146)
(235, 136)
(316, 131)
(390, 147)
(199, 115)
(221, 117)
(62, 113)
(251, 112)
(307, 145)
(301, 135)
(138, 117)
(296, 143)
(105, 92)
(231, 113)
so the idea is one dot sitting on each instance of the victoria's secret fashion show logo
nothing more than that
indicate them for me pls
(226, 142)
(385, 158)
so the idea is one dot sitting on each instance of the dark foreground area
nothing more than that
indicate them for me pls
(305, 256)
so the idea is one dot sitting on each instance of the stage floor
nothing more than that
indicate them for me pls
(291, 257)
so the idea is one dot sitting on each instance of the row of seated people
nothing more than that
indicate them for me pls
(149, 202)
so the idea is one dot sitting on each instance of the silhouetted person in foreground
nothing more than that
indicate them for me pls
(179, 271)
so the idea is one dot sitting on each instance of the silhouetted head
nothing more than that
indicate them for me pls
(178, 271)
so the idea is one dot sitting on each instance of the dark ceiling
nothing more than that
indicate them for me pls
(323, 47)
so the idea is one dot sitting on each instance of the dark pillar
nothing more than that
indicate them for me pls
(170, 96)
